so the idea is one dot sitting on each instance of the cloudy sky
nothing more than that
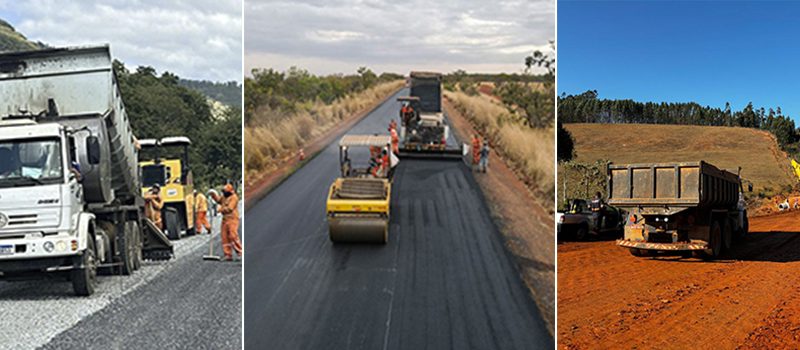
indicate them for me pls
(338, 36)
(197, 39)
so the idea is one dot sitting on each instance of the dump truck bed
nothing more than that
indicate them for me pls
(687, 184)
(76, 87)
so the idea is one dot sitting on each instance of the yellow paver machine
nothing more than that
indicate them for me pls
(359, 200)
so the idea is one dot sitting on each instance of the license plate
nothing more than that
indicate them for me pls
(6, 249)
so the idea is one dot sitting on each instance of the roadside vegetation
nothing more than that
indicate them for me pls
(589, 108)
(158, 106)
(517, 116)
(284, 111)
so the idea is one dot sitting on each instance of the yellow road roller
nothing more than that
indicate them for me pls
(358, 201)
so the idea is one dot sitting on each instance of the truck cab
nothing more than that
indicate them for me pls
(41, 197)
(69, 185)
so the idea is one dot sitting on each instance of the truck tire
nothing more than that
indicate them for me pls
(171, 224)
(129, 247)
(638, 252)
(581, 233)
(727, 234)
(741, 233)
(715, 241)
(84, 279)
(137, 233)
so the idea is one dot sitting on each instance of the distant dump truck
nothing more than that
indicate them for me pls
(678, 207)
(70, 200)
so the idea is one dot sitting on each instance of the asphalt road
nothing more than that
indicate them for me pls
(181, 303)
(444, 280)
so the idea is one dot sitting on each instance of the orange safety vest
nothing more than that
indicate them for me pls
(395, 141)
(476, 149)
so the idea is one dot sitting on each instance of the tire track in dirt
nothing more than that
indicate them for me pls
(610, 299)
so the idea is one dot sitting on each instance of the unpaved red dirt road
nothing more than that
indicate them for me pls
(750, 299)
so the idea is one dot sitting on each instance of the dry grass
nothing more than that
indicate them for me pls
(529, 152)
(274, 137)
(755, 151)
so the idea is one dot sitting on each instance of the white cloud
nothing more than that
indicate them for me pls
(341, 35)
(334, 35)
(193, 39)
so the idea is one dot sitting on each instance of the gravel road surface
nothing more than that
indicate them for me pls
(164, 304)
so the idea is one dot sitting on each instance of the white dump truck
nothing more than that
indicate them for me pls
(70, 190)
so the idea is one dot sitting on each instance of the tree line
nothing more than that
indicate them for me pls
(158, 106)
(291, 90)
(588, 108)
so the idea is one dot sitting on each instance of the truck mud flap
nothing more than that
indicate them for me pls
(156, 245)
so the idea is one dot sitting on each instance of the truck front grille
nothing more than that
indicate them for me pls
(18, 220)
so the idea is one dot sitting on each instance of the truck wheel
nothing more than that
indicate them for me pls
(741, 233)
(84, 279)
(137, 250)
(172, 225)
(727, 234)
(635, 252)
(715, 241)
(581, 233)
(126, 250)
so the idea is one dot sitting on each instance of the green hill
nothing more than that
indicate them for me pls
(11, 40)
(229, 93)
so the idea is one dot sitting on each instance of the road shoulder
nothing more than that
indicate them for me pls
(527, 227)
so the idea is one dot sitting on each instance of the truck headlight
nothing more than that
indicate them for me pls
(48, 246)
(61, 246)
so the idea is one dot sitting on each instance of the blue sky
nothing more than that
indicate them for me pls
(707, 52)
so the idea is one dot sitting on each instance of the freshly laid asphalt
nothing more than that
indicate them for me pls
(444, 279)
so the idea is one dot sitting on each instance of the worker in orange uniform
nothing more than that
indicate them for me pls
(392, 125)
(404, 111)
(395, 140)
(385, 166)
(201, 208)
(229, 207)
(476, 149)
(153, 203)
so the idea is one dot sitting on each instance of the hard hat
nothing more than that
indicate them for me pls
(228, 188)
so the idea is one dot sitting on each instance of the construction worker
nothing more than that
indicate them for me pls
(392, 125)
(385, 166)
(153, 203)
(229, 207)
(395, 140)
(484, 163)
(476, 149)
(201, 208)
(597, 206)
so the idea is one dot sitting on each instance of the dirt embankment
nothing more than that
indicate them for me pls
(749, 299)
(527, 226)
(755, 151)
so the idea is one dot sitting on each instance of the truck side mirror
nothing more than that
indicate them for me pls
(93, 149)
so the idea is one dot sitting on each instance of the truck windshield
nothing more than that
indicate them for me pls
(30, 162)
